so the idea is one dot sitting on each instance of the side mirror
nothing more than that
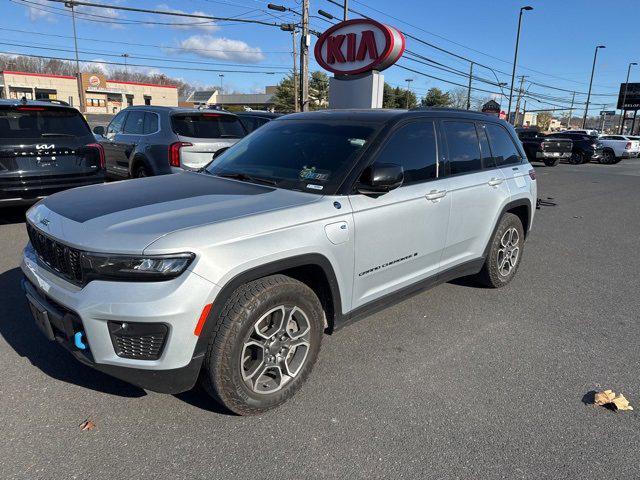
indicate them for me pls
(380, 178)
(99, 130)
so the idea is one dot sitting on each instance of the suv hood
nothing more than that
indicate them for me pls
(127, 216)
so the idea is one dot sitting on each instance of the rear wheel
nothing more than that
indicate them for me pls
(505, 253)
(576, 158)
(608, 157)
(551, 162)
(141, 171)
(267, 341)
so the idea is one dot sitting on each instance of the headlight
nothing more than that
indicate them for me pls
(134, 267)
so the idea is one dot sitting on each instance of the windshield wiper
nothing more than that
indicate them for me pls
(243, 177)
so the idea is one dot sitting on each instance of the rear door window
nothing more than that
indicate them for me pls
(487, 159)
(464, 147)
(135, 123)
(150, 123)
(34, 122)
(207, 125)
(502, 146)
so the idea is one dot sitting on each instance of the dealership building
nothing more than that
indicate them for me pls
(101, 94)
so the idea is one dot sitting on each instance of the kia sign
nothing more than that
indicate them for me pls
(358, 46)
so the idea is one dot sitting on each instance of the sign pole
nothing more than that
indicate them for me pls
(624, 97)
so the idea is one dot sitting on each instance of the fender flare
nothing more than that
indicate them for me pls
(315, 259)
(136, 158)
(513, 204)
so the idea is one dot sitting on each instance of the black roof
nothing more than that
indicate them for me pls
(33, 103)
(384, 115)
(258, 113)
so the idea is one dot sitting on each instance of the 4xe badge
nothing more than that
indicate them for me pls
(45, 146)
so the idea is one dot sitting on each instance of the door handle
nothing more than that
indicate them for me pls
(494, 182)
(435, 194)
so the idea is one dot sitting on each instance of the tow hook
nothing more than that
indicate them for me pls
(78, 341)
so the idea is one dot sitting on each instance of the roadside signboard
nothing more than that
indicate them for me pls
(607, 112)
(632, 98)
(359, 46)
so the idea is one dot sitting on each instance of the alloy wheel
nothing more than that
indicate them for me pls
(509, 251)
(275, 349)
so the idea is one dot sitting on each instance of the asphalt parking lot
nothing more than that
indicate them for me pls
(457, 382)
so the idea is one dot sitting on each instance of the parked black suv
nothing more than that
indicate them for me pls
(254, 119)
(585, 147)
(44, 148)
(540, 148)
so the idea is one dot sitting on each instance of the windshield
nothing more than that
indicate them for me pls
(297, 154)
(207, 125)
(33, 122)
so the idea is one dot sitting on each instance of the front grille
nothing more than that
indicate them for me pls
(140, 341)
(62, 259)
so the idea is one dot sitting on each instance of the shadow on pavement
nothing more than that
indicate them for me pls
(20, 332)
(13, 215)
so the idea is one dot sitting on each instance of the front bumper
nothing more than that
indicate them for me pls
(176, 303)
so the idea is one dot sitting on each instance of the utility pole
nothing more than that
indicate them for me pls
(524, 112)
(604, 107)
(469, 90)
(296, 101)
(346, 10)
(573, 97)
(515, 116)
(75, 43)
(304, 57)
(126, 69)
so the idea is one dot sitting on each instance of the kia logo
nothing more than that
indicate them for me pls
(45, 146)
(358, 46)
(45, 222)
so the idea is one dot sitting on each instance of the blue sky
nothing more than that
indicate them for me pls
(557, 42)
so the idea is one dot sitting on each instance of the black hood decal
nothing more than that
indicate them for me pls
(95, 201)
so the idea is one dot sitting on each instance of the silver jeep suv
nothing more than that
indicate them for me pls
(233, 274)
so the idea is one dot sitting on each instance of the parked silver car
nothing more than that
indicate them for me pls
(147, 140)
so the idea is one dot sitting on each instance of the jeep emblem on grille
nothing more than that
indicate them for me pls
(45, 146)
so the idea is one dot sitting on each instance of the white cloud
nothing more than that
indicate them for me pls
(36, 13)
(190, 23)
(221, 48)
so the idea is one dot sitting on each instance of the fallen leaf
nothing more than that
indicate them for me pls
(609, 399)
(87, 425)
(602, 398)
(622, 403)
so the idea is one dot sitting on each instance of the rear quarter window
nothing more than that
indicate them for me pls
(207, 125)
(41, 122)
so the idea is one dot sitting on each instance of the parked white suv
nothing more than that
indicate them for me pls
(617, 147)
(314, 220)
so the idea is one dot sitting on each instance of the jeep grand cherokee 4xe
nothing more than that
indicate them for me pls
(45, 148)
(233, 274)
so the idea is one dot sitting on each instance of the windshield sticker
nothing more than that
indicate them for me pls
(310, 173)
(314, 187)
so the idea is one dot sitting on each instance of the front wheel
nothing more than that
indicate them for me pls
(608, 158)
(505, 253)
(576, 158)
(267, 341)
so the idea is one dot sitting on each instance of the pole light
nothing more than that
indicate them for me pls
(408, 80)
(277, 8)
(326, 15)
(515, 56)
(624, 98)
(593, 69)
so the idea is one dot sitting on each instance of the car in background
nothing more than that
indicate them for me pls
(540, 148)
(45, 147)
(591, 132)
(143, 141)
(617, 147)
(586, 148)
(253, 119)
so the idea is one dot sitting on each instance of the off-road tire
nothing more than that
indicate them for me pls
(490, 275)
(551, 162)
(221, 375)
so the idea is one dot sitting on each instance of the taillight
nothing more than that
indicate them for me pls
(532, 174)
(30, 109)
(174, 152)
(627, 146)
(100, 149)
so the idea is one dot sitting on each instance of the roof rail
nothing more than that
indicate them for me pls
(446, 109)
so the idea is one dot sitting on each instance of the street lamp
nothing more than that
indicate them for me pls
(326, 15)
(408, 80)
(515, 56)
(624, 98)
(221, 77)
(593, 68)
